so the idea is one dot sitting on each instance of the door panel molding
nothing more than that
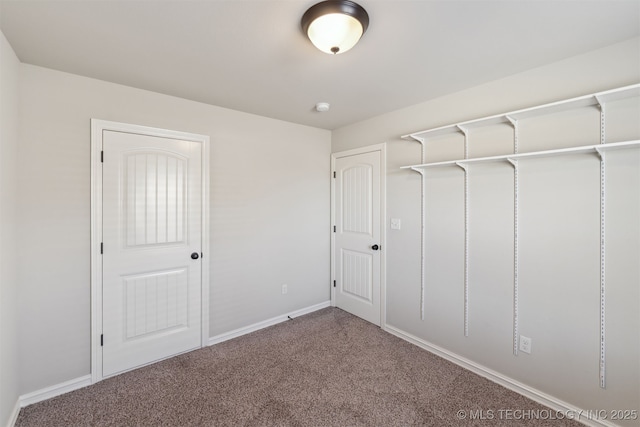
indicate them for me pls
(382, 150)
(98, 127)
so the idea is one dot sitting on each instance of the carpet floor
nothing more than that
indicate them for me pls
(327, 368)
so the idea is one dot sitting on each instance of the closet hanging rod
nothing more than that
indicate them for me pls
(547, 153)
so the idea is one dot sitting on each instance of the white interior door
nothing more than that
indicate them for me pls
(151, 287)
(357, 244)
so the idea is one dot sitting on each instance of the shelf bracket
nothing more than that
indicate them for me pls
(465, 132)
(418, 139)
(602, 118)
(514, 123)
(462, 166)
(423, 146)
(599, 101)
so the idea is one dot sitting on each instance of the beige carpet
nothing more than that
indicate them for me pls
(327, 368)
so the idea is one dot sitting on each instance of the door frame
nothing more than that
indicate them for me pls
(97, 129)
(382, 149)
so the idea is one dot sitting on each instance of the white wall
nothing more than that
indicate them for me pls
(9, 67)
(270, 216)
(269, 213)
(559, 226)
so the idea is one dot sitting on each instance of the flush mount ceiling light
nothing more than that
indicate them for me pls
(335, 26)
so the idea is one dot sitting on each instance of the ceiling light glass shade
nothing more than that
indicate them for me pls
(335, 26)
(335, 33)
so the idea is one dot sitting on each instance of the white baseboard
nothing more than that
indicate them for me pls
(75, 384)
(510, 383)
(54, 390)
(14, 415)
(266, 323)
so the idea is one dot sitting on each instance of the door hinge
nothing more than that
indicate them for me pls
(102, 157)
(334, 283)
(101, 340)
(334, 228)
(101, 248)
(334, 174)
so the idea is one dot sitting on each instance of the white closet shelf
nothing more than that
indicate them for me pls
(554, 107)
(547, 153)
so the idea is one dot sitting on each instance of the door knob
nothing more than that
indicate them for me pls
(375, 247)
(195, 255)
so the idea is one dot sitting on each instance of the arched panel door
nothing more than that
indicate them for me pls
(357, 259)
(152, 204)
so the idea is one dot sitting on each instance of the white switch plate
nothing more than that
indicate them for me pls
(284, 289)
(396, 223)
(525, 344)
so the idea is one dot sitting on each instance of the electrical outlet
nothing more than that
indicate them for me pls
(284, 289)
(525, 344)
(396, 223)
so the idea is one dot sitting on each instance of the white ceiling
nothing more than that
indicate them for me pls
(252, 56)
